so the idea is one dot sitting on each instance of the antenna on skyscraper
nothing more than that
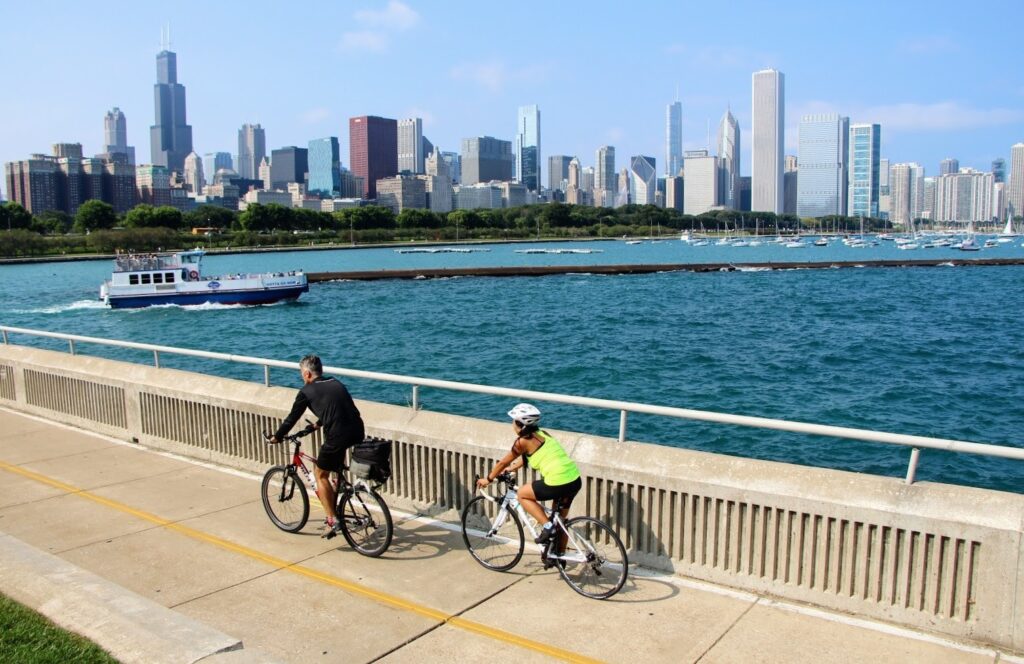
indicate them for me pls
(709, 135)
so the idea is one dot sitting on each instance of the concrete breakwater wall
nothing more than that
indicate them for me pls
(942, 558)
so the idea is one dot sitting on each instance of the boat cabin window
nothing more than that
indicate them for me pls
(158, 278)
(146, 278)
(133, 279)
(168, 277)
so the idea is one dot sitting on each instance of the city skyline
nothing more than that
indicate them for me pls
(927, 112)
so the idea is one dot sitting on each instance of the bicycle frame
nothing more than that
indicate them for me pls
(510, 502)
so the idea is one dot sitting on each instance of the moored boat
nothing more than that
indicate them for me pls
(142, 280)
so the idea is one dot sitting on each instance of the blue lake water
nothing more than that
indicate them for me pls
(933, 351)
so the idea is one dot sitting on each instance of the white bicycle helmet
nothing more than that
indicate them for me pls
(524, 413)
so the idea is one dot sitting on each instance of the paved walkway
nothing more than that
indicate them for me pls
(171, 547)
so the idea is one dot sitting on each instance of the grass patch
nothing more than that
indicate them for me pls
(29, 638)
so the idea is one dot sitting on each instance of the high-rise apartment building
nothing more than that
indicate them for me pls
(700, 189)
(673, 138)
(324, 167)
(643, 180)
(486, 158)
(823, 154)
(528, 147)
(768, 129)
(32, 183)
(1015, 192)
(963, 197)
(558, 171)
(288, 165)
(729, 161)
(410, 146)
(604, 176)
(948, 166)
(252, 148)
(170, 138)
(865, 155)
(153, 184)
(906, 193)
(373, 150)
(194, 177)
(115, 135)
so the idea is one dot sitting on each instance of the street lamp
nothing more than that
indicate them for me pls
(351, 232)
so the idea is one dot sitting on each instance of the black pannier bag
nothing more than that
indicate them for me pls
(371, 459)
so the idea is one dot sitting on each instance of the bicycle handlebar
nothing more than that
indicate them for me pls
(293, 438)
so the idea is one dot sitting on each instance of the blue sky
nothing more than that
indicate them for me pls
(943, 78)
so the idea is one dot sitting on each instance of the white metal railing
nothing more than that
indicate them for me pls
(916, 443)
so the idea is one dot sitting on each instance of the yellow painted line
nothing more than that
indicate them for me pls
(281, 564)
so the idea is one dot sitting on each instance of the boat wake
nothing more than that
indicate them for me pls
(62, 308)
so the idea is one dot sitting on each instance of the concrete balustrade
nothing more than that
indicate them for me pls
(942, 558)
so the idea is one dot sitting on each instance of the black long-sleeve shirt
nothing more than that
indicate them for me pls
(330, 401)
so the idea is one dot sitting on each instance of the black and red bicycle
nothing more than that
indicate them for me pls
(364, 516)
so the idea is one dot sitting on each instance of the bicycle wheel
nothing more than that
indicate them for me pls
(594, 563)
(494, 539)
(285, 499)
(366, 521)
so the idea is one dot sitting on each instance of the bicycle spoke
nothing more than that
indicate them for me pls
(594, 563)
(494, 538)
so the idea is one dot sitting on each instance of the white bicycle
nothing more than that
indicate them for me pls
(586, 552)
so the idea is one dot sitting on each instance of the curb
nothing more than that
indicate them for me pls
(129, 626)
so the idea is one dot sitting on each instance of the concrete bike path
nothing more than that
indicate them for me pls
(193, 541)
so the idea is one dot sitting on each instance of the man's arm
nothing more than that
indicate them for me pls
(298, 408)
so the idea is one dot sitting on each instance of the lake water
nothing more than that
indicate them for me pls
(932, 351)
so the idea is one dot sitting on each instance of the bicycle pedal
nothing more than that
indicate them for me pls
(330, 534)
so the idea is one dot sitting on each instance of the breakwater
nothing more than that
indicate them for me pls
(543, 270)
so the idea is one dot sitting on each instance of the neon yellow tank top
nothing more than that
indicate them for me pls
(552, 462)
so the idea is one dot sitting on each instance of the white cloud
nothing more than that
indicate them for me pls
(490, 75)
(367, 40)
(396, 16)
(932, 45)
(315, 115)
(615, 135)
(940, 116)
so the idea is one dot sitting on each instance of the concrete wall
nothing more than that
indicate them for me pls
(941, 558)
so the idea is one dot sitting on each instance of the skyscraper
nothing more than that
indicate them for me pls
(1015, 192)
(768, 128)
(193, 173)
(454, 163)
(287, 165)
(214, 161)
(170, 138)
(700, 189)
(865, 153)
(410, 145)
(906, 196)
(558, 170)
(604, 176)
(325, 167)
(999, 170)
(528, 147)
(252, 148)
(486, 158)
(643, 180)
(948, 166)
(115, 135)
(673, 138)
(729, 161)
(823, 154)
(372, 150)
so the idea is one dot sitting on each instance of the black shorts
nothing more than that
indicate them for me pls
(332, 457)
(565, 491)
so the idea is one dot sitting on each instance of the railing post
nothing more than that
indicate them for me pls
(156, 359)
(5, 338)
(266, 375)
(415, 398)
(71, 346)
(915, 454)
(622, 426)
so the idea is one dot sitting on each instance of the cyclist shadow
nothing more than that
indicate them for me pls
(418, 540)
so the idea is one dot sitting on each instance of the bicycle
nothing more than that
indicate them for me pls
(364, 516)
(588, 554)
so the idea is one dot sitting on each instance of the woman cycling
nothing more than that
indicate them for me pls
(559, 476)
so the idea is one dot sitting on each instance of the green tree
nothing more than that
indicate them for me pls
(51, 222)
(95, 215)
(13, 215)
(416, 218)
(140, 216)
(167, 216)
(210, 216)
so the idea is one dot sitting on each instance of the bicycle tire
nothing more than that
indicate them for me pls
(366, 521)
(500, 551)
(599, 570)
(285, 499)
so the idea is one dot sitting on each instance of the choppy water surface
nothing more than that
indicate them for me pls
(929, 351)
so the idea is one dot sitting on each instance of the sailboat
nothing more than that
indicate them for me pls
(911, 242)
(1007, 235)
(969, 243)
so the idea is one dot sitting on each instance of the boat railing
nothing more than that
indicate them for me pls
(134, 262)
(914, 442)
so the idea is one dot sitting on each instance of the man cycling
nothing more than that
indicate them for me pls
(559, 476)
(330, 401)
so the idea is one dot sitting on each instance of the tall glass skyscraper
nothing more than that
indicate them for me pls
(170, 138)
(729, 161)
(865, 153)
(410, 146)
(214, 161)
(115, 135)
(643, 180)
(558, 170)
(528, 147)
(768, 128)
(252, 148)
(949, 166)
(823, 154)
(324, 167)
(673, 138)
(604, 176)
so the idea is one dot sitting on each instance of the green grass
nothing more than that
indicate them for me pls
(29, 638)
